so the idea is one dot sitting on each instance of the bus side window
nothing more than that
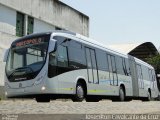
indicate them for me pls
(62, 56)
(76, 55)
(102, 61)
(113, 64)
(139, 70)
(124, 66)
(150, 74)
(127, 68)
(52, 58)
(52, 65)
(153, 74)
(120, 64)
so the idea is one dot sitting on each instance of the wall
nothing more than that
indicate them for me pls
(2, 68)
(7, 32)
(7, 20)
(6, 39)
(53, 12)
(40, 26)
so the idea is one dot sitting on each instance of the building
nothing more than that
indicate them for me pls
(23, 17)
(142, 50)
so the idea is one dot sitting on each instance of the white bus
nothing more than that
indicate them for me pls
(62, 64)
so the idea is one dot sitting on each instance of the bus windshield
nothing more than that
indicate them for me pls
(26, 58)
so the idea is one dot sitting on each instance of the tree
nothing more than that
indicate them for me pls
(155, 62)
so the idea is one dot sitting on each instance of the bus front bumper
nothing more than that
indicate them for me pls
(29, 92)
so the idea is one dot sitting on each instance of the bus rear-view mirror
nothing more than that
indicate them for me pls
(5, 55)
(52, 45)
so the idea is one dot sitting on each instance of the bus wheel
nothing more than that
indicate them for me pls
(149, 96)
(79, 96)
(42, 99)
(121, 94)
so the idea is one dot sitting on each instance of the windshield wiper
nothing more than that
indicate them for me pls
(22, 69)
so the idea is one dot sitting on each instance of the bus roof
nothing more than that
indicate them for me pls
(100, 45)
(88, 41)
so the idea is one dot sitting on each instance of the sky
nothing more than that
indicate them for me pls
(121, 21)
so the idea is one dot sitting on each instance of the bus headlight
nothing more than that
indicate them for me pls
(6, 93)
(43, 88)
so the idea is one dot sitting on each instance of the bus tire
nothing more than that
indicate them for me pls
(158, 98)
(80, 93)
(121, 94)
(148, 96)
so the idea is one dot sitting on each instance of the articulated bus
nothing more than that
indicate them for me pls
(57, 64)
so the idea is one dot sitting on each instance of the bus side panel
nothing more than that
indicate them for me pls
(132, 65)
(127, 82)
(154, 87)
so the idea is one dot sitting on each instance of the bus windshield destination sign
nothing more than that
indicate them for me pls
(30, 42)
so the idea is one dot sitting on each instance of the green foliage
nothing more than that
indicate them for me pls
(155, 62)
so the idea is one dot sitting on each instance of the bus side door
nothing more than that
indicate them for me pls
(91, 66)
(112, 70)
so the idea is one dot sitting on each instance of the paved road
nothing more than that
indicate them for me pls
(69, 107)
